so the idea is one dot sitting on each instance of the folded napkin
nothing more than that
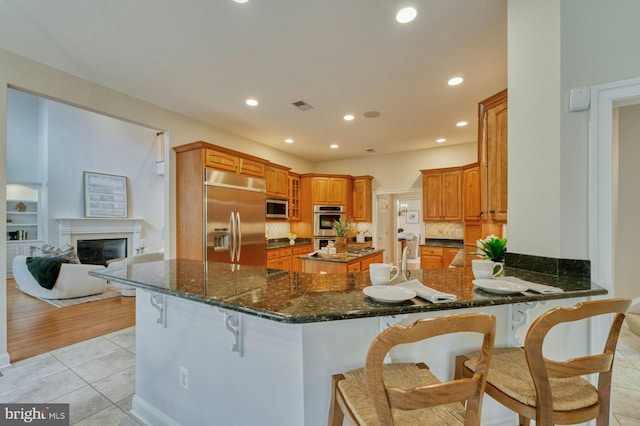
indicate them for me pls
(427, 293)
(538, 288)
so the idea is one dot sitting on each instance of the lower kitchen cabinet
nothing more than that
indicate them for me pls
(436, 257)
(330, 267)
(286, 258)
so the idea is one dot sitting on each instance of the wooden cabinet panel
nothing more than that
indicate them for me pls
(277, 181)
(251, 168)
(353, 267)
(329, 190)
(296, 264)
(436, 257)
(471, 194)
(221, 160)
(492, 153)
(283, 263)
(430, 262)
(362, 198)
(442, 194)
(448, 255)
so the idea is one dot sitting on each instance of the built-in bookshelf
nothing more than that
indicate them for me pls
(23, 213)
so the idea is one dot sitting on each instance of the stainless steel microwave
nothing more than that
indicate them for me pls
(277, 209)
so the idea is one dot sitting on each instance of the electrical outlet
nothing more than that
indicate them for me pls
(184, 378)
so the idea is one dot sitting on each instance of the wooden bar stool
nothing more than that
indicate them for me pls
(548, 391)
(409, 394)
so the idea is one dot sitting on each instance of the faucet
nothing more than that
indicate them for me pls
(405, 255)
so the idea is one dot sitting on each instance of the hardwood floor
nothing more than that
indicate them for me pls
(35, 327)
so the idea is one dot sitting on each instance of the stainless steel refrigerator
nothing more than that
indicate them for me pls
(235, 218)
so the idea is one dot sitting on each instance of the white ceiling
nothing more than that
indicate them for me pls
(204, 58)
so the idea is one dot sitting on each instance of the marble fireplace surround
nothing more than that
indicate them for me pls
(70, 230)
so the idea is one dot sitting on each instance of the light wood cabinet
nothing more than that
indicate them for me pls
(492, 153)
(232, 161)
(294, 196)
(442, 194)
(471, 202)
(436, 257)
(286, 258)
(362, 198)
(329, 190)
(277, 181)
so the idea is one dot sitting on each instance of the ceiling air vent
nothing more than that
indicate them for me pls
(301, 105)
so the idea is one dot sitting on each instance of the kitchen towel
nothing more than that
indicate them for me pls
(538, 288)
(427, 293)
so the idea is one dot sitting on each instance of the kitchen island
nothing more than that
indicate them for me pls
(222, 344)
(354, 260)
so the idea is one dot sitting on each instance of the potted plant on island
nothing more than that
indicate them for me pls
(493, 248)
(342, 228)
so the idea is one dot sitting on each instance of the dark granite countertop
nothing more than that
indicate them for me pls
(294, 297)
(349, 257)
(437, 242)
(284, 242)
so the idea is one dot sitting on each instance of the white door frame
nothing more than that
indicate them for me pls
(604, 98)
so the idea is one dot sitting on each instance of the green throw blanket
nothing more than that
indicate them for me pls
(45, 270)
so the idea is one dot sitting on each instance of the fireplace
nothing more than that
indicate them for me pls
(97, 252)
(120, 237)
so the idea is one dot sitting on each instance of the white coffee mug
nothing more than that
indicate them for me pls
(485, 268)
(380, 273)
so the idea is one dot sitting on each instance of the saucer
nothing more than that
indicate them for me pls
(389, 293)
(499, 286)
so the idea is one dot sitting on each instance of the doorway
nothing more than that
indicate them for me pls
(398, 212)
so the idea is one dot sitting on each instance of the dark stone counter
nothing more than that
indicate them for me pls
(284, 242)
(436, 242)
(294, 297)
(346, 258)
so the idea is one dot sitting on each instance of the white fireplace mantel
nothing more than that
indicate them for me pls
(70, 230)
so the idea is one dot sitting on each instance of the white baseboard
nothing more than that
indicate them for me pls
(4, 360)
(150, 415)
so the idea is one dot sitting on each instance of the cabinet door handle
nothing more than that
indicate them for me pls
(480, 214)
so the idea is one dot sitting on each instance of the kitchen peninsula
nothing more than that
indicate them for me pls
(353, 260)
(233, 345)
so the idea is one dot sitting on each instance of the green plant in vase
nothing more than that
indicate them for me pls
(493, 248)
(342, 228)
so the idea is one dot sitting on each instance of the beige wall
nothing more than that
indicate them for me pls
(627, 227)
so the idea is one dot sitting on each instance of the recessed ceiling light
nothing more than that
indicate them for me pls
(241, 1)
(288, 141)
(406, 15)
(455, 81)
(252, 102)
(348, 117)
(333, 146)
(461, 123)
(441, 140)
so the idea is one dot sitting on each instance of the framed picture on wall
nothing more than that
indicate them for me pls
(412, 216)
(105, 195)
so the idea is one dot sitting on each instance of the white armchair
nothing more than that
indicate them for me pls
(73, 281)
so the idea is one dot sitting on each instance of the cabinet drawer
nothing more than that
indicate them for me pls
(220, 160)
(307, 248)
(251, 168)
(353, 267)
(276, 253)
(431, 251)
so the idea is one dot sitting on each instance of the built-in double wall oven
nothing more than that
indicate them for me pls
(324, 218)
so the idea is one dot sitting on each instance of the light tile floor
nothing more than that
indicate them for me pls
(96, 377)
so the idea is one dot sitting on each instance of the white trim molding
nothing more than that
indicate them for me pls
(70, 230)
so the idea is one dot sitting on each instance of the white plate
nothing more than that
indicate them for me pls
(389, 293)
(499, 286)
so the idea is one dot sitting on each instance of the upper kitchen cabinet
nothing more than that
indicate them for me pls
(220, 158)
(294, 196)
(277, 180)
(492, 154)
(471, 201)
(329, 190)
(442, 194)
(362, 198)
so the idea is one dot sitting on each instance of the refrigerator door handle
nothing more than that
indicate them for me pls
(232, 235)
(239, 232)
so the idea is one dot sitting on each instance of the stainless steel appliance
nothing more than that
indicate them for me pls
(235, 222)
(324, 218)
(277, 209)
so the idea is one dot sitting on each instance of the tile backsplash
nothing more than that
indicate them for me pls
(444, 230)
(277, 229)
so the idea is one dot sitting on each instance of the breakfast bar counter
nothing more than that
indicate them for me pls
(239, 345)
